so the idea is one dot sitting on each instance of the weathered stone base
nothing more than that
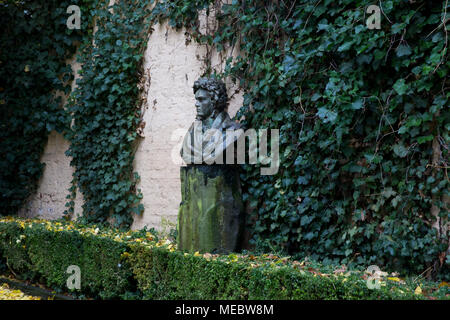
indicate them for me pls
(211, 215)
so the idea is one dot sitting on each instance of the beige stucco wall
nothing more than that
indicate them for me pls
(173, 66)
(50, 199)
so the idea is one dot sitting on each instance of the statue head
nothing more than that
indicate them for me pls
(211, 97)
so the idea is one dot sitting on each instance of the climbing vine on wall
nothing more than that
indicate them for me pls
(363, 117)
(106, 111)
(34, 45)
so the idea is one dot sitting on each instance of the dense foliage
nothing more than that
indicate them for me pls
(363, 117)
(136, 265)
(42, 251)
(34, 45)
(105, 107)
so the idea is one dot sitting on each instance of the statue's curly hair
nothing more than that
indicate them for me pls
(217, 88)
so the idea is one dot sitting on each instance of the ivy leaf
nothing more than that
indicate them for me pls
(305, 220)
(322, 27)
(297, 24)
(400, 150)
(398, 27)
(315, 97)
(424, 139)
(309, 235)
(372, 158)
(395, 201)
(400, 87)
(302, 180)
(345, 46)
(358, 104)
(289, 63)
(360, 28)
(403, 50)
(326, 115)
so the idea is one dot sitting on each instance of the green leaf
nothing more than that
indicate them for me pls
(358, 104)
(424, 139)
(388, 192)
(403, 50)
(400, 150)
(326, 115)
(345, 46)
(400, 86)
(315, 97)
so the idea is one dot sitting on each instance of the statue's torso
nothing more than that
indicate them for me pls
(203, 137)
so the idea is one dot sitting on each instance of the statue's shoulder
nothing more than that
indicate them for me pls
(227, 123)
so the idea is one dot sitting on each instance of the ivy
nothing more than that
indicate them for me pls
(33, 69)
(362, 117)
(105, 107)
(358, 111)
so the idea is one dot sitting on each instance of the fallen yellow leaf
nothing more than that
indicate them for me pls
(394, 279)
(418, 290)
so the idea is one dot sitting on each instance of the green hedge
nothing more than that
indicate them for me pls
(136, 265)
(162, 274)
(44, 255)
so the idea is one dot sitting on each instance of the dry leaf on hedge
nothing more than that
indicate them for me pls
(418, 290)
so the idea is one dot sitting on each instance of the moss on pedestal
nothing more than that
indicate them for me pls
(211, 216)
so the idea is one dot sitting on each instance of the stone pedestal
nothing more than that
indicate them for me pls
(211, 215)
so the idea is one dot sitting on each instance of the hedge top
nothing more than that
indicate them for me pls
(141, 241)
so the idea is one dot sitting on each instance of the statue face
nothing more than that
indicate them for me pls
(203, 104)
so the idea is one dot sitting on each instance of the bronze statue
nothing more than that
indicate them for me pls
(211, 215)
(206, 139)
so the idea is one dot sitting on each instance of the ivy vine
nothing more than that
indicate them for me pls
(105, 107)
(363, 117)
(34, 46)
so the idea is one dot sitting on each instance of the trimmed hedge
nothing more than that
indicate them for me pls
(135, 265)
(162, 274)
(37, 253)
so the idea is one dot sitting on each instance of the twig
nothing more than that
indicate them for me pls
(427, 269)
(384, 13)
(10, 268)
(444, 19)
(306, 23)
